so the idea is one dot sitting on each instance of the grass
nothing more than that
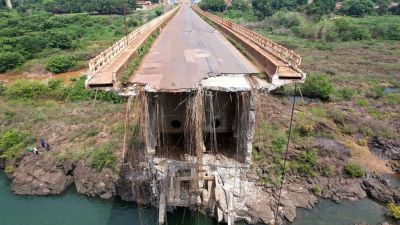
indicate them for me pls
(141, 53)
(354, 170)
(394, 210)
(103, 157)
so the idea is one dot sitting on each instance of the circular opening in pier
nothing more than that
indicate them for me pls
(217, 123)
(176, 124)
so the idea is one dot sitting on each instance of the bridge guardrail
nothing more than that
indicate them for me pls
(107, 55)
(271, 47)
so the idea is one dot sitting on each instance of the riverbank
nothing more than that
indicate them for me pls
(78, 131)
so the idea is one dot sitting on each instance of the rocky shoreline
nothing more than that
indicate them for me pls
(36, 175)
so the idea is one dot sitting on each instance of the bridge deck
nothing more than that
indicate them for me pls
(187, 50)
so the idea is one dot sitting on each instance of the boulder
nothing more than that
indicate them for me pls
(380, 191)
(338, 189)
(92, 183)
(385, 148)
(330, 148)
(293, 196)
(261, 209)
(36, 176)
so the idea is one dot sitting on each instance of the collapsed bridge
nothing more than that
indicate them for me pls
(195, 106)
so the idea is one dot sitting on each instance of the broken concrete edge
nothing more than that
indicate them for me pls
(225, 82)
(114, 84)
(276, 76)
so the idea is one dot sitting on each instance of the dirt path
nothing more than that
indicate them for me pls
(66, 77)
(363, 156)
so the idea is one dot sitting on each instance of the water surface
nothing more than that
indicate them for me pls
(72, 208)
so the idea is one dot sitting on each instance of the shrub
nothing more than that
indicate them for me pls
(9, 169)
(77, 91)
(26, 89)
(377, 91)
(357, 7)
(2, 88)
(306, 162)
(317, 86)
(278, 144)
(133, 22)
(240, 5)
(54, 84)
(10, 60)
(317, 190)
(361, 102)
(394, 210)
(60, 63)
(354, 170)
(346, 93)
(326, 170)
(349, 31)
(13, 143)
(103, 157)
(58, 39)
(159, 11)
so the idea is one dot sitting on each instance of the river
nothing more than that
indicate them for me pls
(72, 208)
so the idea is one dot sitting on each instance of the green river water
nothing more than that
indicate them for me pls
(72, 208)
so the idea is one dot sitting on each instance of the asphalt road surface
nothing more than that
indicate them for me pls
(188, 50)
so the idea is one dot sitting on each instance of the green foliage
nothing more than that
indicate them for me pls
(354, 170)
(361, 102)
(305, 163)
(54, 84)
(317, 86)
(321, 7)
(2, 88)
(240, 5)
(394, 210)
(10, 169)
(26, 89)
(357, 7)
(345, 93)
(317, 190)
(262, 8)
(59, 39)
(38, 34)
(61, 63)
(77, 92)
(377, 91)
(141, 53)
(76, 6)
(213, 5)
(103, 157)
(390, 99)
(13, 143)
(326, 170)
(348, 31)
(10, 60)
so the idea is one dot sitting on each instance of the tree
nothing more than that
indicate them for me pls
(213, 5)
(321, 7)
(10, 60)
(240, 5)
(262, 8)
(357, 7)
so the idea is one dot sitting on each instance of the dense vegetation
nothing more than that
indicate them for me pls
(318, 8)
(36, 40)
(74, 6)
(54, 89)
